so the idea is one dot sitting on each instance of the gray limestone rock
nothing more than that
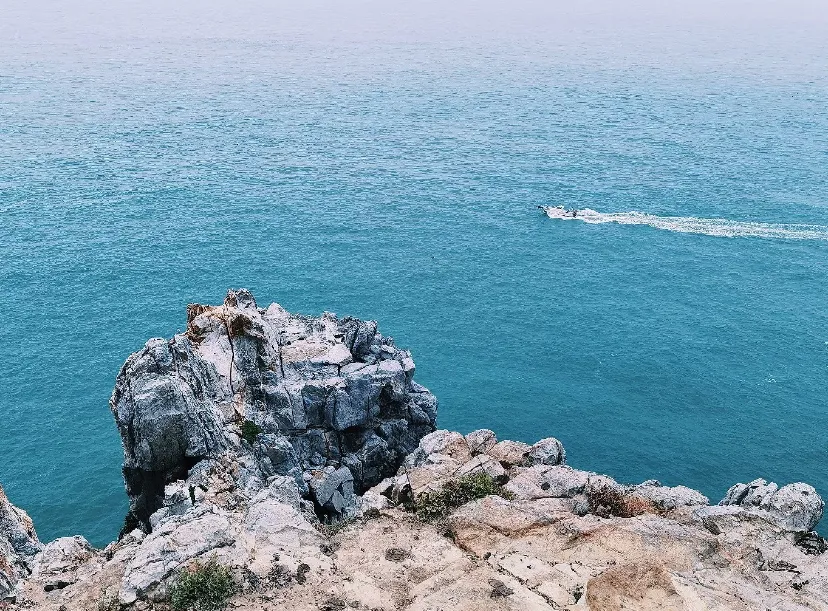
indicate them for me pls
(200, 530)
(333, 489)
(57, 565)
(483, 464)
(481, 441)
(667, 498)
(18, 545)
(542, 481)
(795, 507)
(323, 392)
(547, 451)
(448, 443)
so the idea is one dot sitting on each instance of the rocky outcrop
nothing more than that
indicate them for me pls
(795, 507)
(299, 454)
(551, 537)
(18, 545)
(329, 402)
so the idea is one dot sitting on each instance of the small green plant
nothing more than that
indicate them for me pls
(250, 431)
(203, 587)
(455, 493)
(333, 526)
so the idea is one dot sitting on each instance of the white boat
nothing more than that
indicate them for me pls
(559, 212)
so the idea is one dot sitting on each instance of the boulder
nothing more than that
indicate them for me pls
(57, 565)
(447, 443)
(795, 507)
(510, 453)
(173, 544)
(481, 441)
(333, 489)
(541, 481)
(62, 555)
(285, 394)
(749, 495)
(667, 498)
(483, 464)
(547, 451)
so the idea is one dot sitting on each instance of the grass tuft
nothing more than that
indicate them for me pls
(203, 587)
(433, 506)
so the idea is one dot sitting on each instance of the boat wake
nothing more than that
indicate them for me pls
(713, 227)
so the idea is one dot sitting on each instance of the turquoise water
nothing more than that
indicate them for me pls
(390, 168)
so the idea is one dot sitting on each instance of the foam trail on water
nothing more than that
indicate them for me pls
(713, 227)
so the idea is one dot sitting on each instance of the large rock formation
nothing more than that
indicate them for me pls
(329, 402)
(18, 545)
(299, 454)
(551, 537)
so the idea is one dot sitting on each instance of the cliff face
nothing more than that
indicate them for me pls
(300, 454)
(18, 545)
(331, 403)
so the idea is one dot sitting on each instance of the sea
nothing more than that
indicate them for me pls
(386, 160)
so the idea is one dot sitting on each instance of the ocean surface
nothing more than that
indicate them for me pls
(386, 162)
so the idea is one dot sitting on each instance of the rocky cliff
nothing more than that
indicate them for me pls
(299, 454)
(331, 403)
(18, 545)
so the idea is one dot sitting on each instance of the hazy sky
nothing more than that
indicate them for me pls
(414, 18)
(751, 35)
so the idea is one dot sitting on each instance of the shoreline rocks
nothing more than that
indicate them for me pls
(19, 545)
(299, 453)
(795, 507)
(555, 536)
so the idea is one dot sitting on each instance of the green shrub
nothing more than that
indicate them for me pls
(455, 493)
(203, 587)
(249, 431)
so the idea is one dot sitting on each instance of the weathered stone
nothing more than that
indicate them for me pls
(63, 555)
(795, 507)
(541, 481)
(547, 451)
(597, 481)
(324, 392)
(448, 443)
(544, 548)
(428, 477)
(372, 502)
(333, 489)
(720, 518)
(18, 545)
(481, 441)
(169, 547)
(667, 498)
(749, 495)
(510, 453)
(483, 464)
